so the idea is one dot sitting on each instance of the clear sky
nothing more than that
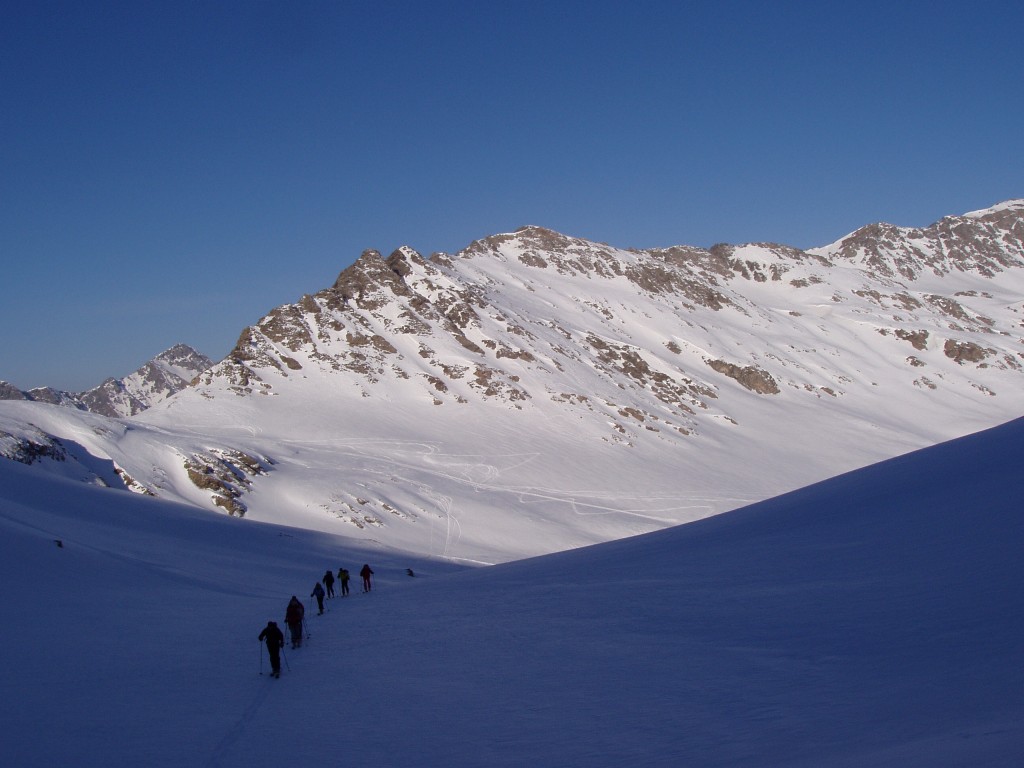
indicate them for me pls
(169, 172)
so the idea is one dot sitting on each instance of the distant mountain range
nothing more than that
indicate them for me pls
(604, 391)
(167, 373)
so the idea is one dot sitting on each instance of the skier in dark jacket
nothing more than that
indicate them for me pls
(318, 593)
(366, 573)
(293, 616)
(329, 583)
(274, 638)
(343, 578)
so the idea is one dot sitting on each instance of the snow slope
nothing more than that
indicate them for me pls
(869, 620)
(537, 392)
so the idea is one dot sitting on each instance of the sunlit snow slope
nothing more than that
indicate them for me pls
(537, 392)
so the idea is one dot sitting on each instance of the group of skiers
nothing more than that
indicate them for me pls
(295, 614)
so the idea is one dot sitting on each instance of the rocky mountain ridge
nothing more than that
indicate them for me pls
(458, 327)
(169, 372)
(601, 391)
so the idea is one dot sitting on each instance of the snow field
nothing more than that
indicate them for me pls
(869, 620)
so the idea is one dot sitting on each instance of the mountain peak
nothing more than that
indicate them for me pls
(155, 381)
(984, 242)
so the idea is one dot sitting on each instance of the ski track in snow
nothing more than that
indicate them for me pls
(482, 475)
(237, 731)
(445, 503)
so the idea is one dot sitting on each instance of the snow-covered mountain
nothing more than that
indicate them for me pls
(161, 377)
(597, 391)
(41, 395)
(167, 373)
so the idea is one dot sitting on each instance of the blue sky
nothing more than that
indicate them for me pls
(169, 172)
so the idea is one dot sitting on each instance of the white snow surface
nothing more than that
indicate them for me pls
(591, 452)
(869, 620)
(1006, 205)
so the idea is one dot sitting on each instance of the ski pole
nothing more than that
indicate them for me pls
(261, 656)
(285, 657)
